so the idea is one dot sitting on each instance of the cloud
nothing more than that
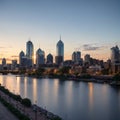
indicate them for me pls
(2, 47)
(14, 56)
(8, 59)
(91, 47)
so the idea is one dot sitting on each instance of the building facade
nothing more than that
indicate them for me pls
(21, 56)
(76, 56)
(49, 59)
(30, 52)
(40, 57)
(115, 59)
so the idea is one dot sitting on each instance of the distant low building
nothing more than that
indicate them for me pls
(76, 70)
(68, 63)
(14, 65)
(94, 70)
(4, 65)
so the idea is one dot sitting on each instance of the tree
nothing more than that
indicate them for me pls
(26, 102)
(64, 70)
(40, 71)
(116, 77)
(105, 71)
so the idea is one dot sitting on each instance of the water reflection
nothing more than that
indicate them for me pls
(25, 87)
(55, 90)
(18, 85)
(35, 91)
(69, 99)
(90, 86)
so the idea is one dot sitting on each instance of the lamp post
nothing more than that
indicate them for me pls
(35, 109)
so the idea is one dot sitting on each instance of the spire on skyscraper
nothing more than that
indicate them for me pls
(60, 37)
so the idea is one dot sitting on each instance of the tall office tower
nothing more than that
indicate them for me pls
(30, 53)
(115, 55)
(49, 59)
(40, 57)
(21, 56)
(115, 59)
(60, 52)
(3, 62)
(76, 56)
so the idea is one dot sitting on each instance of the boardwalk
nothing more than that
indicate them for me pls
(6, 114)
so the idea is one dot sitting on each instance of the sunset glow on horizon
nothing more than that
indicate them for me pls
(91, 27)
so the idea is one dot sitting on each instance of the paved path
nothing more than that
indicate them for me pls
(39, 115)
(5, 114)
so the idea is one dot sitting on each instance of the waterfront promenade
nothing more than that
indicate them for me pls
(38, 114)
(5, 114)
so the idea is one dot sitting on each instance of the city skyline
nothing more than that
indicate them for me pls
(90, 27)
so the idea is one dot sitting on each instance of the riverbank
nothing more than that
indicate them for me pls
(28, 113)
(5, 114)
(108, 79)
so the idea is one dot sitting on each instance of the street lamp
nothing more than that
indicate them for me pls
(35, 110)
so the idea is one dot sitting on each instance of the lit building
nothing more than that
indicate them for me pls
(49, 59)
(94, 69)
(30, 52)
(40, 57)
(60, 52)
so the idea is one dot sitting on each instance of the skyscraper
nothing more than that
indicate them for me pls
(60, 52)
(21, 55)
(49, 59)
(115, 59)
(87, 58)
(40, 57)
(76, 56)
(115, 55)
(30, 52)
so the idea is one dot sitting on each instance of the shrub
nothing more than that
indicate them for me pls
(26, 102)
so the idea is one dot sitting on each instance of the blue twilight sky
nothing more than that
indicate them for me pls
(91, 26)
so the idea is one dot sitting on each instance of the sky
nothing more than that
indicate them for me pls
(90, 26)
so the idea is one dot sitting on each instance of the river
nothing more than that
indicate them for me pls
(70, 100)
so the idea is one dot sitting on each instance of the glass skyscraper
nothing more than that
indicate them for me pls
(49, 59)
(60, 48)
(60, 52)
(115, 55)
(30, 52)
(40, 57)
(76, 56)
(21, 56)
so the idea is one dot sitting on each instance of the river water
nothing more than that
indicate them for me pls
(69, 99)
